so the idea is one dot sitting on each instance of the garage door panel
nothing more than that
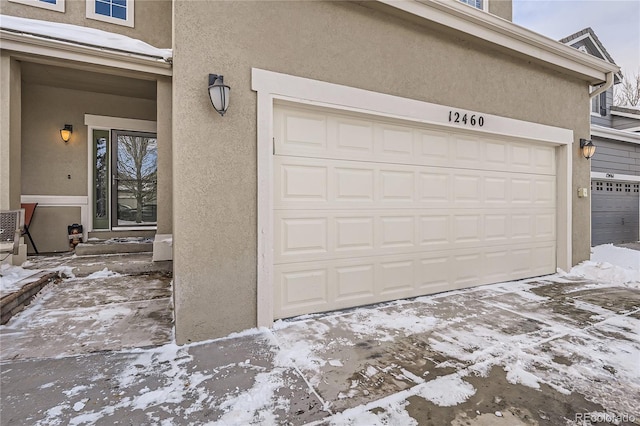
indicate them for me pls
(368, 210)
(327, 285)
(394, 142)
(615, 212)
(354, 233)
(354, 136)
(395, 277)
(397, 185)
(544, 191)
(467, 189)
(467, 228)
(305, 182)
(468, 151)
(434, 273)
(468, 269)
(338, 136)
(435, 188)
(396, 231)
(433, 147)
(302, 131)
(497, 227)
(305, 235)
(545, 159)
(303, 289)
(434, 230)
(302, 182)
(355, 282)
(354, 184)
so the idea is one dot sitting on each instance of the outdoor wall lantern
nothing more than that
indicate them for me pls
(587, 147)
(65, 133)
(218, 93)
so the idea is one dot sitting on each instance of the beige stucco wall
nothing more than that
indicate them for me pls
(339, 42)
(10, 132)
(49, 228)
(152, 18)
(501, 8)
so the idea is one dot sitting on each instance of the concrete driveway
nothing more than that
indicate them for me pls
(557, 350)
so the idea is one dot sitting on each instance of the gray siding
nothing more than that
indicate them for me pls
(604, 120)
(622, 123)
(616, 157)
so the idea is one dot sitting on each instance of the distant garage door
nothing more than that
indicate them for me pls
(614, 212)
(368, 209)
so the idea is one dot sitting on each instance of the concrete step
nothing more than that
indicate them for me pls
(115, 246)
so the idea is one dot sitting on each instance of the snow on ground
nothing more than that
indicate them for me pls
(610, 264)
(311, 346)
(12, 278)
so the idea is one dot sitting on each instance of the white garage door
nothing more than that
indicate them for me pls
(368, 209)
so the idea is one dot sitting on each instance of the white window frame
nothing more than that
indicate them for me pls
(485, 5)
(91, 14)
(58, 7)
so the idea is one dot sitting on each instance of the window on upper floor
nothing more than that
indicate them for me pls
(113, 11)
(57, 5)
(478, 4)
(599, 104)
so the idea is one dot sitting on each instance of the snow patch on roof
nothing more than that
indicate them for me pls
(83, 36)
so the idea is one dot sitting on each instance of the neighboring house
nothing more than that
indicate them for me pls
(371, 151)
(615, 168)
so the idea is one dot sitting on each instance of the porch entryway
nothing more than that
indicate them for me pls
(98, 303)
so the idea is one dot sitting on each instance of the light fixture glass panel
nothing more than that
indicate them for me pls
(219, 94)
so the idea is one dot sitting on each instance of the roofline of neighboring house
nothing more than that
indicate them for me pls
(32, 45)
(589, 33)
(632, 113)
(493, 29)
(609, 133)
(585, 33)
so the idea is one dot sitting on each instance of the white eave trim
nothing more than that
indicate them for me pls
(501, 32)
(620, 135)
(625, 114)
(46, 47)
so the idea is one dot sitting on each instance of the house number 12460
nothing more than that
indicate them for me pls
(464, 118)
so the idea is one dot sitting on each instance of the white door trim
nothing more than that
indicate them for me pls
(103, 122)
(271, 86)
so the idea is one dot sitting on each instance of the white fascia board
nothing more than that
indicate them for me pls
(506, 34)
(615, 177)
(620, 135)
(40, 46)
(625, 114)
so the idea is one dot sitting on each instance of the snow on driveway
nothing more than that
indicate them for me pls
(545, 349)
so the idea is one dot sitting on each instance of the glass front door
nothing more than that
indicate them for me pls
(134, 167)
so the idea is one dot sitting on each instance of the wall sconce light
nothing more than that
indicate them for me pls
(65, 133)
(587, 148)
(218, 93)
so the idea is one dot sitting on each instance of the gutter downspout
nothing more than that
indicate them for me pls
(608, 83)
